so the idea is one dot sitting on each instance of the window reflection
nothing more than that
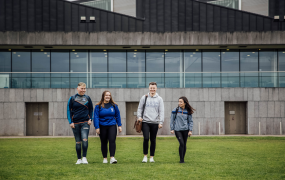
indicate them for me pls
(21, 62)
(230, 64)
(60, 63)
(78, 63)
(249, 62)
(211, 68)
(41, 63)
(5, 61)
(281, 67)
(193, 64)
(99, 64)
(174, 63)
(155, 63)
(136, 63)
(117, 63)
(268, 62)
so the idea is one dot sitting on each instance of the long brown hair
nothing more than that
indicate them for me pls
(188, 107)
(101, 103)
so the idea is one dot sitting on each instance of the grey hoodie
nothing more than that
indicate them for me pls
(154, 109)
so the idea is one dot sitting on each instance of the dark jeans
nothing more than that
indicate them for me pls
(182, 139)
(149, 132)
(81, 132)
(108, 133)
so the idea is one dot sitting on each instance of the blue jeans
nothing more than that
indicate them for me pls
(81, 132)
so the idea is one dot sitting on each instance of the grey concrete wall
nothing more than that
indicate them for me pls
(127, 7)
(264, 105)
(255, 6)
(141, 39)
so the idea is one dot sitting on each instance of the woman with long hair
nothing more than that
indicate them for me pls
(106, 118)
(181, 124)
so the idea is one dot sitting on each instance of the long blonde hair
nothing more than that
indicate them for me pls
(101, 103)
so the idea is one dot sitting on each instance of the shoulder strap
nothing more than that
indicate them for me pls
(144, 105)
(176, 112)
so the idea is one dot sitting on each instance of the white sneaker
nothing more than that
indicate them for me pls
(144, 159)
(84, 160)
(113, 161)
(151, 160)
(78, 161)
(105, 161)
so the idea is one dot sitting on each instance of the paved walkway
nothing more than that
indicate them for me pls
(245, 135)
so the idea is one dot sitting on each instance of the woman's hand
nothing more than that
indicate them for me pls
(189, 133)
(98, 131)
(120, 129)
(160, 126)
(172, 132)
(72, 125)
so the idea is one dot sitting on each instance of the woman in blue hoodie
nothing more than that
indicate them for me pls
(181, 124)
(106, 117)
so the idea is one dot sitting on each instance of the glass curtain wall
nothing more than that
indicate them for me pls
(193, 68)
(117, 63)
(41, 63)
(78, 63)
(98, 67)
(211, 65)
(5, 61)
(281, 67)
(60, 63)
(155, 63)
(136, 63)
(248, 64)
(21, 62)
(230, 68)
(136, 68)
(174, 63)
(268, 62)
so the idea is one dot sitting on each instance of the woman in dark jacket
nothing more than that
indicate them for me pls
(181, 124)
(106, 118)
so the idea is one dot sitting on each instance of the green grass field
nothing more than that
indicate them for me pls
(206, 158)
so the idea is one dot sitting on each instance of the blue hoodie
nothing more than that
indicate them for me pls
(80, 110)
(107, 116)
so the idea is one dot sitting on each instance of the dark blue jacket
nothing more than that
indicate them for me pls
(79, 109)
(107, 117)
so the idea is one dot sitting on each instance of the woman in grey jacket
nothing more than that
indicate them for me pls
(181, 124)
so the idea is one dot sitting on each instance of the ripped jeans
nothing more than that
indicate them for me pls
(81, 132)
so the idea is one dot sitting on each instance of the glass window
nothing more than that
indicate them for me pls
(230, 68)
(5, 61)
(193, 68)
(281, 67)
(174, 63)
(21, 62)
(249, 62)
(155, 63)
(78, 63)
(136, 63)
(117, 63)
(60, 63)
(268, 62)
(99, 67)
(41, 63)
(211, 68)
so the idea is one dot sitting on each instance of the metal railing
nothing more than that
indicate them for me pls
(141, 79)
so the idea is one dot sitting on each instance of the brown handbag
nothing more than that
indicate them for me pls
(138, 124)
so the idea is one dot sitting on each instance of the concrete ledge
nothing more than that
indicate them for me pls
(141, 39)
